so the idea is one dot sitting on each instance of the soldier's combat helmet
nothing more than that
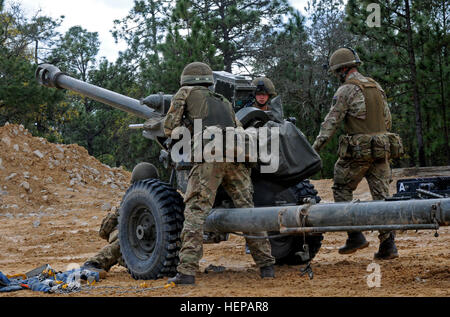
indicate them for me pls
(197, 74)
(143, 171)
(264, 84)
(344, 57)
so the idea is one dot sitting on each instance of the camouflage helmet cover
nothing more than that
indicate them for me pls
(197, 74)
(344, 57)
(264, 84)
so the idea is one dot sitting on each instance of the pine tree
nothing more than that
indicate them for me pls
(77, 52)
(22, 99)
(393, 51)
(434, 79)
(178, 50)
(143, 30)
(237, 25)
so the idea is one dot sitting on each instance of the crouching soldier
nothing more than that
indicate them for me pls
(110, 255)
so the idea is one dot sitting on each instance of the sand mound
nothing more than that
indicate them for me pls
(33, 171)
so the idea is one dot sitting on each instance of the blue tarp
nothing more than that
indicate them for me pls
(48, 284)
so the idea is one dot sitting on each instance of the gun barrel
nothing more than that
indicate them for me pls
(51, 76)
(357, 216)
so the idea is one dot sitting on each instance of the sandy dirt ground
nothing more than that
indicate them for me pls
(54, 197)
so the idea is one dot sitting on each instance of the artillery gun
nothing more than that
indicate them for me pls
(286, 204)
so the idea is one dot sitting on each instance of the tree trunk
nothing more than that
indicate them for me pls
(443, 86)
(154, 27)
(228, 64)
(36, 48)
(444, 111)
(227, 60)
(413, 71)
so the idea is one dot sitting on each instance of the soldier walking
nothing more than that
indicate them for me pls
(361, 104)
(195, 101)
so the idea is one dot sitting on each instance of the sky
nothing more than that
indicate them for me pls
(95, 16)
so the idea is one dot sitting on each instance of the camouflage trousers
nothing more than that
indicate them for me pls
(348, 173)
(204, 180)
(109, 255)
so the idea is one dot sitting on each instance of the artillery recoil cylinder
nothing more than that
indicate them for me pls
(360, 216)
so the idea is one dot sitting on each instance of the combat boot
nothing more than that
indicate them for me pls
(182, 279)
(267, 271)
(94, 267)
(387, 250)
(355, 242)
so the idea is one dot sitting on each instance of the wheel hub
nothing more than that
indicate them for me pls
(145, 231)
(143, 226)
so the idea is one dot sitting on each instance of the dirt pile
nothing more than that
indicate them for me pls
(53, 198)
(35, 173)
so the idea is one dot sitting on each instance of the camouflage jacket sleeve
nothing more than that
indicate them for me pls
(174, 116)
(339, 108)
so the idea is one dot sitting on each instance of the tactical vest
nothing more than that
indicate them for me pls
(210, 107)
(366, 139)
(375, 121)
(213, 110)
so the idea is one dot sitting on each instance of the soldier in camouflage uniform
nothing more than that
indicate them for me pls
(195, 101)
(265, 92)
(362, 105)
(110, 255)
(267, 99)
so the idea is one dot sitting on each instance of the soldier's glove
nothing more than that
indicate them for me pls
(109, 223)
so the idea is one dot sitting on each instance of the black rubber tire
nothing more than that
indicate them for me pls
(150, 224)
(285, 248)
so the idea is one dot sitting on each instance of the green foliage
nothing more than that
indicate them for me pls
(237, 25)
(180, 50)
(22, 99)
(408, 54)
(143, 30)
(77, 51)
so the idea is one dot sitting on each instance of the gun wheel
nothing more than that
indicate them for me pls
(150, 223)
(284, 249)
